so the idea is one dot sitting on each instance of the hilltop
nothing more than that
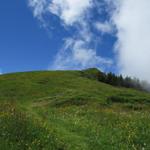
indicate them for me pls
(71, 110)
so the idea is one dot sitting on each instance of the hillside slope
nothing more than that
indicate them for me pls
(64, 110)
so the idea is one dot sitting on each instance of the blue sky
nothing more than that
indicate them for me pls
(112, 35)
(24, 45)
(27, 45)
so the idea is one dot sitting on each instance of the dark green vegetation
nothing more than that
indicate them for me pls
(117, 80)
(65, 110)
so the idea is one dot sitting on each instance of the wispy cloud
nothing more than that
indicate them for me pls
(70, 11)
(76, 52)
(76, 55)
(132, 20)
(104, 27)
(39, 7)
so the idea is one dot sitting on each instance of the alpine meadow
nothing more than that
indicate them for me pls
(64, 110)
(74, 75)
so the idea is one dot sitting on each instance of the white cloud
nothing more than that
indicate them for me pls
(70, 11)
(132, 20)
(76, 55)
(105, 27)
(39, 7)
(77, 52)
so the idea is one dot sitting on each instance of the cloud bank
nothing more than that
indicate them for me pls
(132, 20)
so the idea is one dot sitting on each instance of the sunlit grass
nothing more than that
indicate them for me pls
(66, 111)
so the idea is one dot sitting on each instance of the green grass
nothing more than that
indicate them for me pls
(64, 110)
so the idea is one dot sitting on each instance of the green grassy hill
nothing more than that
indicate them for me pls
(65, 110)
